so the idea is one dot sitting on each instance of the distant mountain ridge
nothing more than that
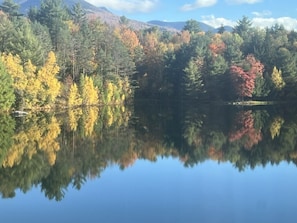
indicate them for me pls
(180, 25)
(108, 17)
(25, 5)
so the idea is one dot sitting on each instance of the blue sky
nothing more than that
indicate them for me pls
(262, 13)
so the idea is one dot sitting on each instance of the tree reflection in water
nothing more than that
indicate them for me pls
(59, 150)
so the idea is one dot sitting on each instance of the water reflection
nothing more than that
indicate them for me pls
(54, 151)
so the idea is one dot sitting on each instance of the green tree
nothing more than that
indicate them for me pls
(7, 96)
(78, 14)
(193, 82)
(275, 38)
(26, 44)
(124, 21)
(286, 62)
(192, 26)
(221, 29)
(15, 69)
(53, 13)
(233, 42)
(245, 31)
(41, 33)
(10, 7)
(6, 32)
(243, 27)
(7, 126)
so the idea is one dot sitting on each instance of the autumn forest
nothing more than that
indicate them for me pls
(59, 57)
(60, 63)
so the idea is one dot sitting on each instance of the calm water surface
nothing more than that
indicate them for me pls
(165, 191)
(157, 164)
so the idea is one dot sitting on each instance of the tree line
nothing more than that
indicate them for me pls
(248, 63)
(60, 57)
(63, 57)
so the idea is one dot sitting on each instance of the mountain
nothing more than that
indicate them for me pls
(108, 17)
(25, 5)
(180, 25)
(92, 11)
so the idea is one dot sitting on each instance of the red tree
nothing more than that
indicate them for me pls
(244, 130)
(244, 75)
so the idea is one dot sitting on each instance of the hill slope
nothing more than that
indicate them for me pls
(107, 17)
(25, 5)
(180, 25)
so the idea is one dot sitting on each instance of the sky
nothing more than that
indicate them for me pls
(262, 13)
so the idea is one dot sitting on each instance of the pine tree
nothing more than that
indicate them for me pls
(193, 77)
(7, 96)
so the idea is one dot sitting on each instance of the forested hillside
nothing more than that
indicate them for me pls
(59, 57)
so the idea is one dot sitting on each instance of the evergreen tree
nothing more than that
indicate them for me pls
(233, 42)
(7, 30)
(192, 26)
(193, 82)
(221, 29)
(42, 35)
(26, 44)
(286, 62)
(7, 96)
(243, 27)
(10, 7)
(53, 13)
(78, 14)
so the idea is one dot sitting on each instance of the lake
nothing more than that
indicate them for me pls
(150, 162)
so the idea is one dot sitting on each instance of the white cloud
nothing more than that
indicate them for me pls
(127, 5)
(261, 22)
(217, 22)
(198, 4)
(243, 1)
(287, 22)
(262, 14)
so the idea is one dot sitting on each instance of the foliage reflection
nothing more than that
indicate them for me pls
(54, 151)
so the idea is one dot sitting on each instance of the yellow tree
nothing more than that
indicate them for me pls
(41, 136)
(88, 92)
(49, 143)
(34, 86)
(73, 117)
(14, 68)
(277, 79)
(89, 118)
(74, 98)
(50, 86)
(275, 126)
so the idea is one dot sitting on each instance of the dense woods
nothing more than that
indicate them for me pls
(63, 57)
